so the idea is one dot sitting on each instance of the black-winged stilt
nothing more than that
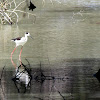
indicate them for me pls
(19, 41)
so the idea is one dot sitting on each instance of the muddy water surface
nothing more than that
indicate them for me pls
(66, 35)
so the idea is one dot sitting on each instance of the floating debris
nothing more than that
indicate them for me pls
(32, 6)
(97, 75)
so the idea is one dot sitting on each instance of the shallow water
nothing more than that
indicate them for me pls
(66, 42)
(59, 33)
(73, 80)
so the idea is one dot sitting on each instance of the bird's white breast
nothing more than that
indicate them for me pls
(21, 42)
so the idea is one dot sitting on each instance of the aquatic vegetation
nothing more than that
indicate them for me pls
(9, 12)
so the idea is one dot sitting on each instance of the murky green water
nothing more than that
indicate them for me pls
(61, 32)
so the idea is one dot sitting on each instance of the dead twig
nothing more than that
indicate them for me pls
(9, 14)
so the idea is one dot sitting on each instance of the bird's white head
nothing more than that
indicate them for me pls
(27, 34)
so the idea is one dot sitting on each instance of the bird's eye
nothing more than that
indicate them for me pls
(26, 33)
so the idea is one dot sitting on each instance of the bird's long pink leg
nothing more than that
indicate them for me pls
(11, 58)
(20, 56)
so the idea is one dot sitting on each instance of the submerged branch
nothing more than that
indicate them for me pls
(17, 6)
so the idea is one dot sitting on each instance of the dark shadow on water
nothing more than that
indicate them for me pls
(66, 80)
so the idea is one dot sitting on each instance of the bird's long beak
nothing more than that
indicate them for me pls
(31, 37)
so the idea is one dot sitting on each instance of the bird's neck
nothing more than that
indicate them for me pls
(26, 37)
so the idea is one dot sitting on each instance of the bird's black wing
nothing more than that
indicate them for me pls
(18, 38)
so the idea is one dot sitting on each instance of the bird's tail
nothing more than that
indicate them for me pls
(12, 40)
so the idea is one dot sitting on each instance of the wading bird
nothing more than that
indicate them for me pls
(20, 41)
